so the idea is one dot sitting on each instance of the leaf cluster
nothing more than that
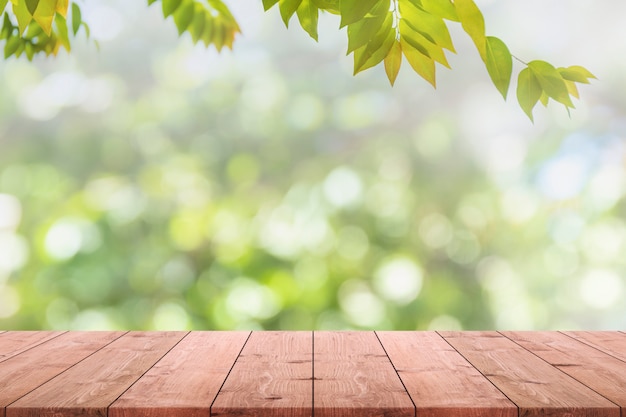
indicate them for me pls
(210, 21)
(385, 32)
(39, 26)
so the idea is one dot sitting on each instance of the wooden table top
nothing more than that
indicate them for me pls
(320, 374)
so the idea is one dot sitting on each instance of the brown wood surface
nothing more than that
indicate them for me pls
(354, 378)
(613, 343)
(536, 387)
(186, 381)
(599, 371)
(271, 378)
(440, 381)
(15, 342)
(23, 373)
(89, 387)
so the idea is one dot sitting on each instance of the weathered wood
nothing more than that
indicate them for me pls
(439, 380)
(271, 378)
(536, 387)
(613, 343)
(186, 381)
(89, 387)
(599, 371)
(354, 377)
(22, 374)
(15, 342)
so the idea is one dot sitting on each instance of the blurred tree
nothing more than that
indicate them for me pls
(379, 31)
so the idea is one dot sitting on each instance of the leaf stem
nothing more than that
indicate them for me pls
(525, 63)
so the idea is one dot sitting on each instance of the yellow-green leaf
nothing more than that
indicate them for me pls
(76, 18)
(11, 46)
(267, 4)
(331, 6)
(361, 32)
(3, 4)
(308, 15)
(576, 73)
(375, 51)
(473, 23)
(423, 44)
(287, 9)
(170, 6)
(429, 25)
(197, 25)
(183, 16)
(572, 89)
(44, 15)
(31, 5)
(62, 6)
(355, 10)
(62, 31)
(420, 63)
(551, 81)
(528, 91)
(393, 61)
(442, 8)
(544, 99)
(209, 28)
(499, 64)
(23, 16)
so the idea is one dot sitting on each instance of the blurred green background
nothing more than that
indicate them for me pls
(152, 184)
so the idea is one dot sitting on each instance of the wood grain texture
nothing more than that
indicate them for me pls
(271, 378)
(439, 380)
(354, 378)
(15, 342)
(185, 382)
(21, 374)
(89, 387)
(536, 387)
(599, 371)
(613, 343)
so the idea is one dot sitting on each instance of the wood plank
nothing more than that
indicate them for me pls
(271, 378)
(89, 387)
(22, 374)
(599, 371)
(613, 343)
(354, 377)
(536, 387)
(15, 342)
(186, 381)
(439, 380)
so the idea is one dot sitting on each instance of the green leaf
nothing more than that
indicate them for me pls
(23, 16)
(62, 31)
(150, 2)
(442, 8)
(45, 15)
(219, 34)
(76, 18)
(473, 23)
(268, 4)
(308, 15)
(170, 6)
(361, 32)
(576, 73)
(31, 5)
(209, 28)
(393, 61)
(420, 63)
(429, 25)
(551, 81)
(331, 6)
(11, 46)
(183, 16)
(528, 91)
(62, 6)
(197, 25)
(572, 89)
(355, 10)
(3, 5)
(363, 55)
(29, 49)
(423, 44)
(287, 9)
(499, 64)
(544, 99)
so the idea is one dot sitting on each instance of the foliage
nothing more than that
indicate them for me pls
(379, 31)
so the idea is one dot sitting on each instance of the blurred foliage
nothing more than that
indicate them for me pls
(158, 185)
